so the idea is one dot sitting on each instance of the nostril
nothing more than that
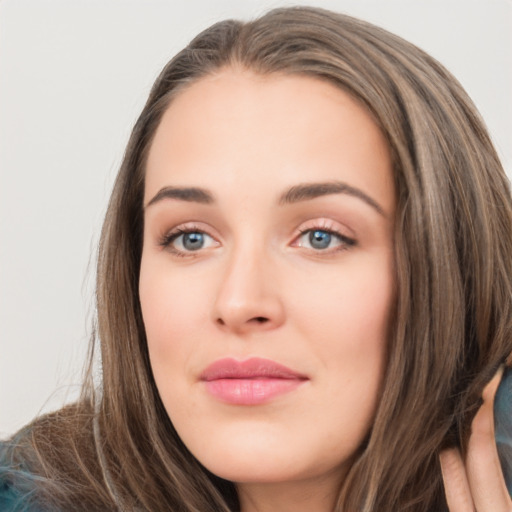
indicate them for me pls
(255, 320)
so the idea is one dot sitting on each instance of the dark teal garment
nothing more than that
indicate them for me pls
(17, 484)
(13, 500)
(503, 425)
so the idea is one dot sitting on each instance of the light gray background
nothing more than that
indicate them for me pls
(73, 77)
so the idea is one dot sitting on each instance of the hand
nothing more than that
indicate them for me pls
(478, 484)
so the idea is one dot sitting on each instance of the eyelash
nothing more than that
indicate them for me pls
(346, 242)
(168, 239)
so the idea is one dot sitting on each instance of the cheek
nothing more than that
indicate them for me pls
(347, 321)
(172, 310)
(350, 310)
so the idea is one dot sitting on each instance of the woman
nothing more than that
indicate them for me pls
(303, 289)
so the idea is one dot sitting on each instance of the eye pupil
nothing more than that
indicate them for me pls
(193, 241)
(319, 239)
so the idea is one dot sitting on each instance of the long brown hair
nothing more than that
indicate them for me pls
(453, 252)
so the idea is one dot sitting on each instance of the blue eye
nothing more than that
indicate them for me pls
(182, 242)
(192, 241)
(323, 239)
(319, 239)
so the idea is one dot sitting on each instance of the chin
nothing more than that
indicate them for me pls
(266, 454)
(260, 468)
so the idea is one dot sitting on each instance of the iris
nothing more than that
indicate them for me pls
(319, 239)
(193, 241)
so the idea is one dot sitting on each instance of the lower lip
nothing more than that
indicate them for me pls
(250, 391)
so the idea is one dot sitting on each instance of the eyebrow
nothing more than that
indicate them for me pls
(307, 191)
(296, 194)
(189, 194)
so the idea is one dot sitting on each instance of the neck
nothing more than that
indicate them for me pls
(297, 496)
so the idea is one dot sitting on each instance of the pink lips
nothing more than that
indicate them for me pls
(250, 382)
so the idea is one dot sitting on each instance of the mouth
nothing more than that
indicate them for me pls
(251, 382)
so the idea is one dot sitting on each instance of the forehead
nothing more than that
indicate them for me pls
(239, 126)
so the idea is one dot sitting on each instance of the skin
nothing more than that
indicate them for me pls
(257, 287)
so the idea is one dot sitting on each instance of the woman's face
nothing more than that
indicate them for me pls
(266, 279)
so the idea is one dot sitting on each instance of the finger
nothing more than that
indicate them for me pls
(456, 485)
(482, 463)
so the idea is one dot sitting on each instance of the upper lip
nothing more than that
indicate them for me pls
(253, 368)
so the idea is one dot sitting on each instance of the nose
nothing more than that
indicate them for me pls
(248, 299)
